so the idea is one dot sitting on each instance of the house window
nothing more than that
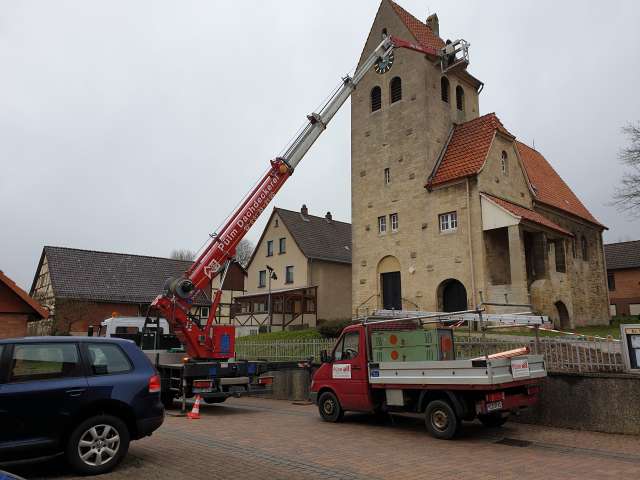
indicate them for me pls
(396, 89)
(204, 312)
(585, 249)
(384, 33)
(448, 221)
(444, 89)
(560, 262)
(611, 281)
(288, 274)
(394, 222)
(387, 176)
(282, 244)
(459, 98)
(382, 224)
(376, 99)
(262, 278)
(613, 311)
(504, 163)
(269, 248)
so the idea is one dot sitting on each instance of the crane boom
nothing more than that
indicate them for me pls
(212, 341)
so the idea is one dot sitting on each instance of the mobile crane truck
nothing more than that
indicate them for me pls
(206, 367)
(398, 365)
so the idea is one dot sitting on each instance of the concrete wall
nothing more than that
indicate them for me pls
(334, 289)
(598, 402)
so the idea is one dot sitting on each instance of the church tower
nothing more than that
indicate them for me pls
(401, 119)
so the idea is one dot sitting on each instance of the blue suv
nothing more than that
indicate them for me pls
(85, 397)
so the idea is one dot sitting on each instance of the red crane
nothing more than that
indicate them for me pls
(213, 341)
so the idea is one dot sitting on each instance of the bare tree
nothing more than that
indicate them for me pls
(244, 250)
(183, 254)
(627, 196)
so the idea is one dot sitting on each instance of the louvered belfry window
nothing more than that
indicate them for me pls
(396, 89)
(376, 99)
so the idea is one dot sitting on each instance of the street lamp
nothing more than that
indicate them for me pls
(272, 275)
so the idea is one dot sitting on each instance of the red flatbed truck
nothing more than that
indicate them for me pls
(446, 391)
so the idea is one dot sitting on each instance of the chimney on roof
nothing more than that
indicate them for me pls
(433, 23)
(328, 217)
(304, 211)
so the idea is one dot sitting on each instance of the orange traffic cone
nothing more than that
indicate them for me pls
(194, 414)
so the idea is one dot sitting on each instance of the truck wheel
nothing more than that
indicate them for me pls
(97, 445)
(493, 419)
(329, 406)
(167, 400)
(441, 421)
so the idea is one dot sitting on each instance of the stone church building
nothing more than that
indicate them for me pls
(449, 209)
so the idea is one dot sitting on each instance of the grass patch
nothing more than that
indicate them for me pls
(275, 336)
(593, 330)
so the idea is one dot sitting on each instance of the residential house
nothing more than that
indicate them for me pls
(449, 209)
(84, 287)
(16, 309)
(301, 266)
(623, 277)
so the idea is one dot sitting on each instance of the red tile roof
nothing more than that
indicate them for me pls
(467, 149)
(526, 214)
(549, 188)
(423, 34)
(24, 296)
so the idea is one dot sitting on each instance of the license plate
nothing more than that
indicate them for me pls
(491, 406)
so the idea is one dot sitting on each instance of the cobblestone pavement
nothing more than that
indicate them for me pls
(253, 438)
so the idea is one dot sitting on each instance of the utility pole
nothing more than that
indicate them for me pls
(272, 275)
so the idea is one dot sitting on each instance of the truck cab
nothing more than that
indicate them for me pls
(397, 367)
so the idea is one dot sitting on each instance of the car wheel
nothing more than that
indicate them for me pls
(441, 420)
(97, 445)
(493, 419)
(329, 406)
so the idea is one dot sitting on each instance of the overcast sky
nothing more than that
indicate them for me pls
(137, 126)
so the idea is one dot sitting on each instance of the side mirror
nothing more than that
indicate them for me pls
(325, 357)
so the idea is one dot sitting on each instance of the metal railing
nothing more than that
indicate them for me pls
(284, 349)
(561, 355)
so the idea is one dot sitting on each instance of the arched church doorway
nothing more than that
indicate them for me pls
(452, 296)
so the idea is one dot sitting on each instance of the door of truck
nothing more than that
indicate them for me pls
(349, 371)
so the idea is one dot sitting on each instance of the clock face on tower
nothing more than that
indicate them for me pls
(383, 66)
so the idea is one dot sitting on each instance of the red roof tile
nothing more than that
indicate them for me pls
(549, 188)
(467, 149)
(423, 34)
(526, 214)
(24, 296)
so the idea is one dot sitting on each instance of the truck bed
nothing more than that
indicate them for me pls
(462, 373)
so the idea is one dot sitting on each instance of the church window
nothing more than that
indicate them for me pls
(504, 163)
(376, 99)
(396, 89)
(387, 176)
(585, 249)
(460, 98)
(444, 89)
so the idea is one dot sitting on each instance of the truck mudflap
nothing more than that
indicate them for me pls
(507, 402)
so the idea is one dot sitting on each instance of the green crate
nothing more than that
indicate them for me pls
(412, 338)
(405, 354)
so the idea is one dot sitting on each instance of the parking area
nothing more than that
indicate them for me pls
(252, 438)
